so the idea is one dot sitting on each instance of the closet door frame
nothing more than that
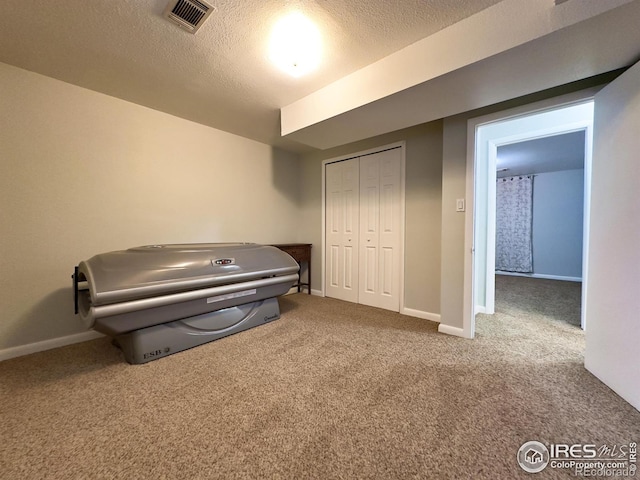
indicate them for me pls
(402, 146)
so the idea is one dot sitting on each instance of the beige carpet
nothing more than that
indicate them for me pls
(331, 390)
(530, 298)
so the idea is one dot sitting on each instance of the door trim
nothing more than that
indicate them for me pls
(371, 151)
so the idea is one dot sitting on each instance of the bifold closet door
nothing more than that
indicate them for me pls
(341, 244)
(379, 255)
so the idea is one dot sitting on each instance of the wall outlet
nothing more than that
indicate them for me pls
(460, 205)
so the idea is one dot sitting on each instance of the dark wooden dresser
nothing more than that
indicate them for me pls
(301, 252)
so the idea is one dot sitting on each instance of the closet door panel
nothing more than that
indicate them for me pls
(380, 229)
(342, 229)
(369, 228)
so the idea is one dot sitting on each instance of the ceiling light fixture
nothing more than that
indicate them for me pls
(295, 45)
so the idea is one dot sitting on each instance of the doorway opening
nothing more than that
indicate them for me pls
(539, 227)
(500, 149)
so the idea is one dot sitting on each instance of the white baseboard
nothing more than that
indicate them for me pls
(317, 293)
(449, 330)
(541, 275)
(434, 317)
(22, 350)
(480, 309)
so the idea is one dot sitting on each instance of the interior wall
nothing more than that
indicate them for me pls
(422, 209)
(557, 233)
(454, 166)
(83, 173)
(613, 280)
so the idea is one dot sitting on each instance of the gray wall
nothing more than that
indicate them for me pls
(454, 165)
(423, 209)
(558, 206)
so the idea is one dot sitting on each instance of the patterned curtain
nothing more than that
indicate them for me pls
(514, 213)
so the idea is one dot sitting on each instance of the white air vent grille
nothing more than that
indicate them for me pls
(188, 14)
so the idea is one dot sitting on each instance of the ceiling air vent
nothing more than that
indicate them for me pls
(188, 14)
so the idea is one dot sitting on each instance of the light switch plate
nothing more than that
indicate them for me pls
(460, 205)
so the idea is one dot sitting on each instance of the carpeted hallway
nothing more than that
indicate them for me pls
(331, 390)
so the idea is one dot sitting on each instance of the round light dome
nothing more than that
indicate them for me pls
(295, 45)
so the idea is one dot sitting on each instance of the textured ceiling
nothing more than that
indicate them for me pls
(221, 76)
(547, 154)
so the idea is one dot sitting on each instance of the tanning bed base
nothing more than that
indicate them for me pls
(146, 344)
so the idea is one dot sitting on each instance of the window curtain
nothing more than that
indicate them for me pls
(514, 213)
